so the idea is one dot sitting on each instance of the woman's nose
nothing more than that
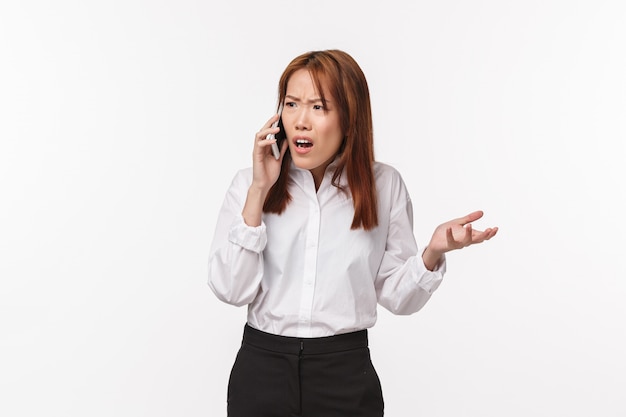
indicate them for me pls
(302, 120)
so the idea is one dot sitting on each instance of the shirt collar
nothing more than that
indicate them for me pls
(330, 170)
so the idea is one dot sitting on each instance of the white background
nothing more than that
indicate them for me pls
(122, 123)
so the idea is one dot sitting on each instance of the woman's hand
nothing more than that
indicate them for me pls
(265, 172)
(455, 234)
(265, 167)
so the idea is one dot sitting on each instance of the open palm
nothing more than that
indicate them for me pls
(459, 233)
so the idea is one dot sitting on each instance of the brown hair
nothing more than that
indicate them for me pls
(346, 83)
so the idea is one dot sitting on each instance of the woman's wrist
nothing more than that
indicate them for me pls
(431, 258)
(253, 209)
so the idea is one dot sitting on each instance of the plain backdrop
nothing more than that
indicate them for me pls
(122, 123)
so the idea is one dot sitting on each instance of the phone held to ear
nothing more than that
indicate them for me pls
(280, 136)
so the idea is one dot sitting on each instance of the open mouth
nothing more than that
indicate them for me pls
(303, 143)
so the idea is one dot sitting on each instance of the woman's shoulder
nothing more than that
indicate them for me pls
(242, 178)
(389, 182)
(386, 172)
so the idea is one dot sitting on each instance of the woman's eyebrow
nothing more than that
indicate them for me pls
(312, 100)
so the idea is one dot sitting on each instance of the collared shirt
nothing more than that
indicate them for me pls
(305, 273)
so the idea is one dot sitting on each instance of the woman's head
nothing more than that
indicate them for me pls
(341, 86)
(312, 124)
(326, 93)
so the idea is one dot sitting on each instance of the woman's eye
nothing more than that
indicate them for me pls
(318, 107)
(290, 104)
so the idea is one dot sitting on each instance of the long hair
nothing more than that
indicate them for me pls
(343, 79)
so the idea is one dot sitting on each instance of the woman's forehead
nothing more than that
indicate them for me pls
(311, 82)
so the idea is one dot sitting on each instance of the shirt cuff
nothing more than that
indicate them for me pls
(431, 280)
(251, 238)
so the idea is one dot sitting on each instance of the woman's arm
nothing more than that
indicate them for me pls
(404, 283)
(265, 172)
(236, 256)
(407, 277)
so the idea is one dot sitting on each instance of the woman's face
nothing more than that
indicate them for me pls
(313, 132)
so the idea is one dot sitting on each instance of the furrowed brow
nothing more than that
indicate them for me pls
(310, 101)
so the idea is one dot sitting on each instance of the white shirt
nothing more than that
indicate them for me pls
(305, 273)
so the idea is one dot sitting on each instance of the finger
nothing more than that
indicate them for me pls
(480, 236)
(492, 233)
(283, 148)
(467, 239)
(472, 217)
(487, 234)
(450, 238)
(272, 126)
(263, 133)
(262, 149)
(268, 128)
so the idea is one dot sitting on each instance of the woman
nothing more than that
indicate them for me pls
(312, 241)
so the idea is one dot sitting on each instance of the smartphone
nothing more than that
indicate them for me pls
(280, 136)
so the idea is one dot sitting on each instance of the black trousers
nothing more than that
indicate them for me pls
(278, 376)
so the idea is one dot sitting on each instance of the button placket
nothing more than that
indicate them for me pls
(310, 268)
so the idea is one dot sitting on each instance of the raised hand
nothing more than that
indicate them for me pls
(265, 167)
(455, 234)
(265, 172)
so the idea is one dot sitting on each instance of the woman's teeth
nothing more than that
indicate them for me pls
(303, 143)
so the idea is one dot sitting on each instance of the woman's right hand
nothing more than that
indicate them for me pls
(265, 167)
(265, 172)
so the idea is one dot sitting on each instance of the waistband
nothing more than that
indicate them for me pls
(305, 346)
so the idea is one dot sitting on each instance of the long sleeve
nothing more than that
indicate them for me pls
(403, 283)
(236, 254)
(305, 272)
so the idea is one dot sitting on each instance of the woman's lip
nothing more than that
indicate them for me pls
(301, 150)
(296, 138)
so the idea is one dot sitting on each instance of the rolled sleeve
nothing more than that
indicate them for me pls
(248, 237)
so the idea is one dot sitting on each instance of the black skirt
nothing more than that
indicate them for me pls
(279, 376)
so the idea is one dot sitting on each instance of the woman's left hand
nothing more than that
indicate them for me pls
(455, 234)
